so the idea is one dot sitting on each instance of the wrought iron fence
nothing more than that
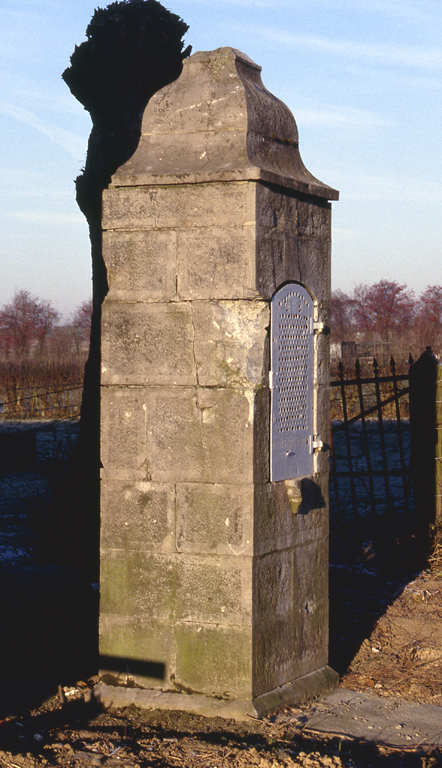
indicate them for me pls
(371, 499)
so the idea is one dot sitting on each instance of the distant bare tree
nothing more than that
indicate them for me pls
(25, 325)
(384, 311)
(81, 326)
(429, 318)
(341, 317)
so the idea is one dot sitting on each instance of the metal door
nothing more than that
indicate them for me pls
(292, 383)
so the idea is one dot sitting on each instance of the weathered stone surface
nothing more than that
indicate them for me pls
(141, 645)
(274, 653)
(184, 206)
(214, 519)
(218, 118)
(273, 575)
(141, 340)
(138, 515)
(230, 343)
(279, 526)
(123, 432)
(214, 660)
(275, 525)
(202, 435)
(311, 601)
(216, 263)
(294, 242)
(141, 265)
(172, 587)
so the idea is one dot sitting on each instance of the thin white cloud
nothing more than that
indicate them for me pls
(51, 4)
(401, 9)
(422, 12)
(45, 217)
(406, 55)
(346, 117)
(74, 145)
(357, 185)
(59, 100)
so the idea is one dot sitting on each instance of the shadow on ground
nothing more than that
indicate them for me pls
(358, 598)
(49, 633)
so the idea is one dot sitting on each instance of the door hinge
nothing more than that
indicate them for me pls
(315, 445)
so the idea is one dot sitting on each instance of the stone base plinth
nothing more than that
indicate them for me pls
(306, 687)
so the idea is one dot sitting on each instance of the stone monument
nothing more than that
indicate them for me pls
(214, 553)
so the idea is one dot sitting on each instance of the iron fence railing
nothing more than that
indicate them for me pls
(371, 504)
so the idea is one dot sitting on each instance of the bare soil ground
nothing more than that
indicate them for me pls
(76, 735)
(403, 654)
(386, 638)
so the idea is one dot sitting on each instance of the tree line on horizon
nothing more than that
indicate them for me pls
(390, 314)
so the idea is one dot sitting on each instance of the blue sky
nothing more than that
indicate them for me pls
(363, 79)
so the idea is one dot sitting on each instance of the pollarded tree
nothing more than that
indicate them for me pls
(133, 49)
(25, 325)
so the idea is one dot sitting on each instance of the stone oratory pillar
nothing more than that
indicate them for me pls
(214, 533)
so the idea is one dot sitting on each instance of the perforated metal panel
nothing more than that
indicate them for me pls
(292, 377)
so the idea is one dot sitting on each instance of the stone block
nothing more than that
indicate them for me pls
(176, 588)
(129, 208)
(200, 435)
(123, 432)
(314, 219)
(148, 343)
(141, 265)
(215, 590)
(226, 112)
(314, 260)
(261, 434)
(138, 584)
(311, 605)
(138, 515)
(230, 343)
(273, 577)
(276, 210)
(274, 519)
(213, 660)
(274, 655)
(214, 519)
(216, 262)
(144, 650)
(189, 206)
(279, 525)
(277, 260)
(179, 206)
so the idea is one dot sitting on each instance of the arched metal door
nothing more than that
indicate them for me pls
(292, 383)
